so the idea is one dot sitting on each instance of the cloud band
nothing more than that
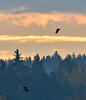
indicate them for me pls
(41, 19)
(41, 39)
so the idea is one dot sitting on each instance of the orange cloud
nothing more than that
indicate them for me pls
(41, 39)
(41, 19)
(4, 54)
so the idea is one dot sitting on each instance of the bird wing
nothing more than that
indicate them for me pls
(25, 88)
(57, 30)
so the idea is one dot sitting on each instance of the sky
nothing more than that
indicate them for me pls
(30, 25)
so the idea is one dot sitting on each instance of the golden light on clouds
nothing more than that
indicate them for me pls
(41, 19)
(41, 39)
(4, 54)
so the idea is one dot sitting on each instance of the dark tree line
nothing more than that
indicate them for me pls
(49, 78)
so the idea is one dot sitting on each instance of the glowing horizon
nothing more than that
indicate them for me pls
(41, 39)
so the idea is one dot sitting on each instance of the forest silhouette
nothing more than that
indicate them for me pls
(46, 78)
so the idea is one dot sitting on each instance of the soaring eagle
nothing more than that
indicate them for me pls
(57, 30)
(26, 89)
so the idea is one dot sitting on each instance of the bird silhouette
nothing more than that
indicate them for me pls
(26, 89)
(57, 30)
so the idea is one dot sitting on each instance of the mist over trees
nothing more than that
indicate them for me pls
(48, 78)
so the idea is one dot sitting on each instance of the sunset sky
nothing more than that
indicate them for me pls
(29, 25)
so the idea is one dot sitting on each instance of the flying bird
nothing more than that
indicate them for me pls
(25, 89)
(57, 30)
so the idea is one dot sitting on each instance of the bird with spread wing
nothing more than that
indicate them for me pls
(57, 30)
